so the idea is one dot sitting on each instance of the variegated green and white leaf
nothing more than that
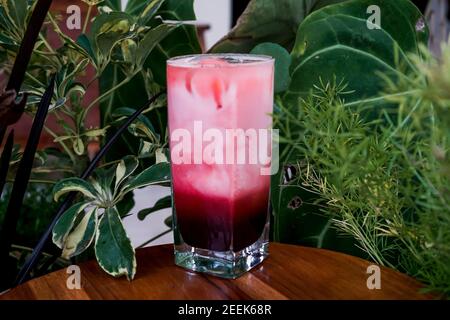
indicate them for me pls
(158, 174)
(82, 235)
(105, 177)
(103, 194)
(95, 133)
(113, 248)
(151, 40)
(78, 146)
(149, 11)
(125, 168)
(75, 185)
(69, 78)
(161, 156)
(146, 149)
(16, 11)
(65, 223)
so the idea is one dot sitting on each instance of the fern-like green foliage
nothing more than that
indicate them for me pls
(385, 182)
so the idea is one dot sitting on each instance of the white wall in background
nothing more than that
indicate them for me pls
(216, 13)
(153, 225)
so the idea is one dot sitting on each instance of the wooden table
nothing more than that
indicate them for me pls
(291, 272)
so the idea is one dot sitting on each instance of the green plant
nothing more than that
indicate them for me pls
(98, 217)
(365, 168)
(33, 259)
(336, 41)
(127, 49)
(331, 43)
(384, 182)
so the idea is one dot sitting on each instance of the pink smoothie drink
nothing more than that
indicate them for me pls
(220, 194)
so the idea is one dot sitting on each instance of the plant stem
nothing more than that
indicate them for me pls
(108, 163)
(405, 121)
(47, 45)
(107, 93)
(63, 145)
(155, 238)
(86, 21)
(400, 94)
(91, 81)
(35, 181)
(29, 75)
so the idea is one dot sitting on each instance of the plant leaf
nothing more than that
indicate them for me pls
(156, 174)
(95, 133)
(74, 185)
(282, 63)
(113, 248)
(16, 10)
(334, 43)
(67, 81)
(115, 5)
(105, 177)
(150, 41)
(149, 11)
(125, 168)
(65, 224)
(84, 44)
(141, 127)
(107, 30)
(169, 222)
(298, 218)
(78, 146)
(81, 237)
(163, 203)
(268, 21)
(134, 7)
(161, 155)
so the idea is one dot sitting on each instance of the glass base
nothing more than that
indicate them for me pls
(224, 264)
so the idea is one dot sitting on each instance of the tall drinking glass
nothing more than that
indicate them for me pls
(220, 140)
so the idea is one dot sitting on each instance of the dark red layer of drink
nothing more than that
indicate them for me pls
(221, 224)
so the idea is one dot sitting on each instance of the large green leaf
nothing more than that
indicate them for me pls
(74, 185)
(113, 248)
(155, 175)
(125, 168)
(282, 63)
(65, 224)
(335, 42)
(268, 21)
(81, 237)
